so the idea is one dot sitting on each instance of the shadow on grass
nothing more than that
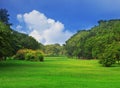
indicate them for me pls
(113, 66)
(14, 63)
(116, 65)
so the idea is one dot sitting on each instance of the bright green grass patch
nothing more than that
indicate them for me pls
(58, 72)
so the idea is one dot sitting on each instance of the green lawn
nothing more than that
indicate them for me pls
(58, 72)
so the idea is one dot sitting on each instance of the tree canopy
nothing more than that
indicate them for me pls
(97, 43)
(4, 16)
(11, 41)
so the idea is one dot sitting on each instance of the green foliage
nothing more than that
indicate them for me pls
(111, 54)
(5, 42)
(4, 16)
(97, 43)
(106, 59)
(39, 55)
(74, 45)
(11, 41)
(21, 41)
(54, 50)
(20, 55)
(30, 55)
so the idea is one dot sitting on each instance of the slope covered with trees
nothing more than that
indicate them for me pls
(101, 42)
(11, 41)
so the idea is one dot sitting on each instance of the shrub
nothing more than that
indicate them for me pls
(39, 55)
(110, 55)
(30, 55)
(20, 55)
(107, 62)
(107, 59)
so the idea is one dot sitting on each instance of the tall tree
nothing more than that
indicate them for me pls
(5, 41)
(4, 16)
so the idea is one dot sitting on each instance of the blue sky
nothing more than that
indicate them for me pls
(39, 18)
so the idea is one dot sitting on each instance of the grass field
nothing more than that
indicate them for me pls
(58, 72)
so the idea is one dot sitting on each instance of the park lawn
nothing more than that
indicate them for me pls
(58, 72)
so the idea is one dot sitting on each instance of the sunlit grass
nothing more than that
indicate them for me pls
(58, 72)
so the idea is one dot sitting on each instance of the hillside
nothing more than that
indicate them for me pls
(101, 41)
(11, 41)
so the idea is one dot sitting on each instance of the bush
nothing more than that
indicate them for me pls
(107, 59)
(111, 55)
(39, 55)
(107, 62)
(30, 55)
(20, 55)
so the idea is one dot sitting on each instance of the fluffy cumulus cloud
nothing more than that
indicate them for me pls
(44, 29)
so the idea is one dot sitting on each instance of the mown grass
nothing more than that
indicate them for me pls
(58, 72)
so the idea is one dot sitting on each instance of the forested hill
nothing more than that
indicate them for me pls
(98, 42)
(11, 41)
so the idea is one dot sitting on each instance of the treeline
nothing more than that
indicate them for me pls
(54, 50)
(100, 42)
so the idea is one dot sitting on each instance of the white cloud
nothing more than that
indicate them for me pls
(19, 29)
(43, 29)
(20, 17)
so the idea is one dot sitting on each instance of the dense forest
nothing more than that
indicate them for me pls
(100, 42)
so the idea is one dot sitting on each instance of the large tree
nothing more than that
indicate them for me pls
(5, 41)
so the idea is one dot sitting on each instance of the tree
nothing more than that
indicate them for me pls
(110, 55)
(11, 41)
(75, 45)
(97, 43)
(5, 41)
(53, 50)
(4, 16)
